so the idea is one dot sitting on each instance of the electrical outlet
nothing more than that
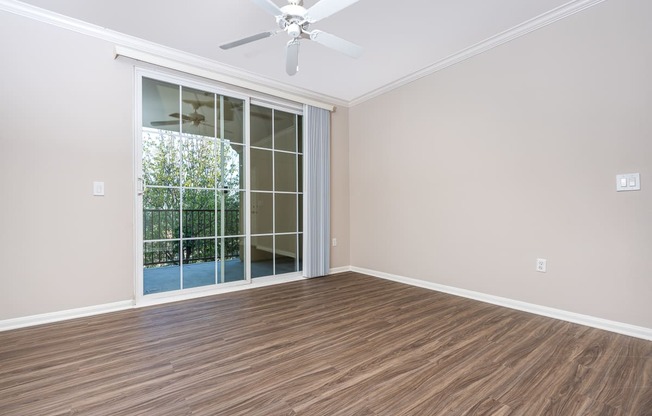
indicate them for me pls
(334, 242)
(542, 265)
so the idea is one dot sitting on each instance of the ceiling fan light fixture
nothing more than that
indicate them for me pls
(294, 30)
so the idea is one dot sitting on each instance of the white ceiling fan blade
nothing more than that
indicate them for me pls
(337, 43)
(248, 39)
(325, 8)
(292, 57)
(269, 6)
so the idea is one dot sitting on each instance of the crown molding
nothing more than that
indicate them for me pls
(146, 48)
(508, 35)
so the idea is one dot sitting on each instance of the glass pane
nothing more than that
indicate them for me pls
(233, 120)
(285, 172)
(198, 250)
(300, 173)
(198, 158)
(261, 213)
(261, 126)
(300, 252)
(285, 131)
(234, 259)
(234, 213)
(198, 112)
(300, 135)
(285, 254)
(161, 213)
(161, 159)
(199, 213)
(261, 170)
(233, 168)
(160, 254)
(286, 213)
(160, 105)
(199, 263)
(300, 213)
(262, 259)
(161, 271)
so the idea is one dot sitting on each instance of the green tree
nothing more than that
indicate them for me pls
(193, 177)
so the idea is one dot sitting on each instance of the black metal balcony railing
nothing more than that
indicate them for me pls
(164, 224)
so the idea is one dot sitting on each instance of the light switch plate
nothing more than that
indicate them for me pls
(98, 188)
(628, 182)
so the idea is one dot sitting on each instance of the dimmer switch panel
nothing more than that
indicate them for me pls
(628, 182)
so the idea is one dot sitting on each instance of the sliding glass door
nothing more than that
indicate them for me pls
(208, 216)
(193, 154)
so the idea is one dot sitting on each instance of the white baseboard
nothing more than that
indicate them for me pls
(339, 270)
(46, 318)
(612, 326)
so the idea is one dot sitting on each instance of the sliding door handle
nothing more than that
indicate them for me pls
(140, 186)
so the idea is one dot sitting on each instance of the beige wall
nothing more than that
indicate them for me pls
(340, 187)
(465, 177)
(67, 111)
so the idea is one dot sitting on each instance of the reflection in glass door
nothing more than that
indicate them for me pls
(193, 153)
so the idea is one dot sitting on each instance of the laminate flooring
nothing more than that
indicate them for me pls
(347, 344)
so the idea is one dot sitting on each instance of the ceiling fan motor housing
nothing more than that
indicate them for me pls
(294, 11)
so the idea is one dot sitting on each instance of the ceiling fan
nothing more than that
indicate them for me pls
(295, 20)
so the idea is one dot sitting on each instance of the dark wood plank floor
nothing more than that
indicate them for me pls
(343, 345)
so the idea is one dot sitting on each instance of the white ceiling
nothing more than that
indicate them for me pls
(400, 38)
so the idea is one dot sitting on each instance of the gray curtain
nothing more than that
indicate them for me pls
(317, 222)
